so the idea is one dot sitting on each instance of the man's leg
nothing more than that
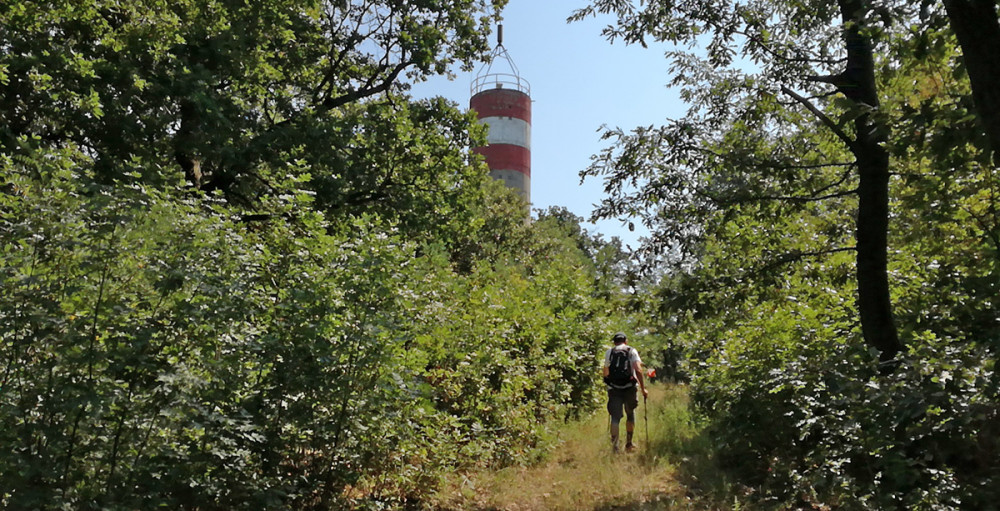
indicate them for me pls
(631, 403)
(615, 405)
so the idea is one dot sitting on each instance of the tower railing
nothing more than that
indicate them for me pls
(500, 81)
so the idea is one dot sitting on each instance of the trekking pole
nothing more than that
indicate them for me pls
(645, 416)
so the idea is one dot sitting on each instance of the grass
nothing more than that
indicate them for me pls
(672, 472)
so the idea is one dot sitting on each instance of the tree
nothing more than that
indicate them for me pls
(752, 195)
(223, 91)
(699, 162)
(977, 27)
(230, 283)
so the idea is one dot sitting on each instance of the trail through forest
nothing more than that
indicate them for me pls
(579, 471)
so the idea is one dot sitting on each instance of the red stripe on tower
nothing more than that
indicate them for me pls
(502, 103)
(507, 157)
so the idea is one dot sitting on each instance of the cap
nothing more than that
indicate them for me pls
(619, 337)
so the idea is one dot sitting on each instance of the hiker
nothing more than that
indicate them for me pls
(622, 370)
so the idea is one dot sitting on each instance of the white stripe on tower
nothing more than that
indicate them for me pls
(508, 130)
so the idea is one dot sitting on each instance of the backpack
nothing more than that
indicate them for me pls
(620, 368)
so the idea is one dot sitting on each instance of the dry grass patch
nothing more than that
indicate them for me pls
(581, 472)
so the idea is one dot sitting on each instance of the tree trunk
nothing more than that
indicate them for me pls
(976, 25)
(185, 143)
(858, 84)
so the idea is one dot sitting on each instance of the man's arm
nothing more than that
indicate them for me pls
(637, 367)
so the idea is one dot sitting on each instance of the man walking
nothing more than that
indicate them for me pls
(622, 370)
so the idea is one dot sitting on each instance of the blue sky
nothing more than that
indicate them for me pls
(579, 81)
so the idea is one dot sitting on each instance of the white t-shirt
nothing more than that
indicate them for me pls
(633, 358)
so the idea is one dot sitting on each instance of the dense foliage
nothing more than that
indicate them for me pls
(160, 351)
(241, 269)
(755, 203)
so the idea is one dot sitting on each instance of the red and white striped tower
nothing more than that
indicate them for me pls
(503, 102)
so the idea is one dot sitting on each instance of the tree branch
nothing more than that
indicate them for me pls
(367, 91)
(783, 57)
(836, 80)
(796, 255)
(805, 198)
(828, 122)
(761, 198)
(766, 164)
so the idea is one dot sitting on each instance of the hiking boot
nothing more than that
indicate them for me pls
(614, 446)
(630, 447)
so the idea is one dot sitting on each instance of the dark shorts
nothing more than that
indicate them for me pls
(619, 398)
